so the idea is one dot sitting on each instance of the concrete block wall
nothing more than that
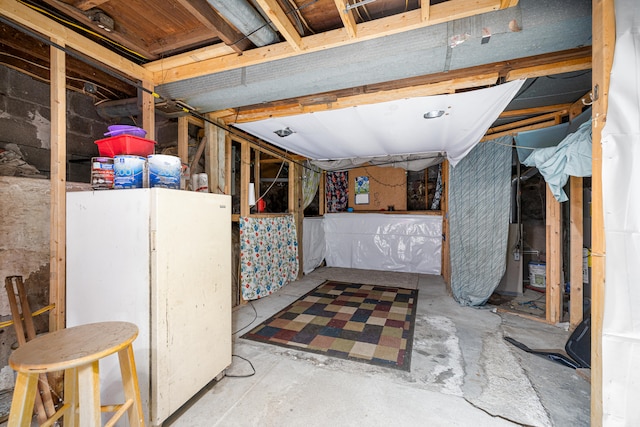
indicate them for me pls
(25, 120)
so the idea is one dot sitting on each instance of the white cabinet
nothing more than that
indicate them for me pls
(159, 258)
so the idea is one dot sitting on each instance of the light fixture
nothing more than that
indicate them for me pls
(357, 4)
(433, 114)
(283, 132)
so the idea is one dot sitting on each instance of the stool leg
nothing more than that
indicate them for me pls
(131, 387)
(71, 398)
(24, 396)
(89, 394)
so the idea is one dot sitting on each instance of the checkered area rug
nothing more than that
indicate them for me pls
(371, 324)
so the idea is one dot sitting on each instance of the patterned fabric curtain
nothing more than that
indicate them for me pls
(268, 255)
(479, 203)
(310, 181)
(337, 191)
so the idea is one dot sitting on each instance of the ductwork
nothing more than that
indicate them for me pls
(242, 15)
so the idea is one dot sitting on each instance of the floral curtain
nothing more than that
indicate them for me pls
(310, 181)
(268, 255)
(337, 191)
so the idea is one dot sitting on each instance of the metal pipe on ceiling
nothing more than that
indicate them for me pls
(242, 15)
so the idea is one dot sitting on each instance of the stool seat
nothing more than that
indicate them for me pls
(77, 351)
(71, 347)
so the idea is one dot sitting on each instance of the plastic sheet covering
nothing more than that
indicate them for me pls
(621, 200)
(572, 157)
(313, 243)
(479, 201)
(390, 242)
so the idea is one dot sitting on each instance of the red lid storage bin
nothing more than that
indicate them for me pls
(125, 144)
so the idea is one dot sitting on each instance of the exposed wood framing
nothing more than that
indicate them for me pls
(211, 158)
(425, 10)
(57, 237)
(79, 15)
(348, 20)
(45, 26)
(148, 110)
(439, 13)
(525, 122)
(444, 208)
(183, 139)
(603, 30)
(279, 18)
(575, 252)
(296, 209)
(234, 39)
(553, 259)
(245, 175)
(435, 84)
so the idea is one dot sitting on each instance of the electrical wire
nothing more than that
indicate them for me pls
(255, 317)
(243, 376)
(81, 28)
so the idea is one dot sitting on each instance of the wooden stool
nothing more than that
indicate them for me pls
(77, 351)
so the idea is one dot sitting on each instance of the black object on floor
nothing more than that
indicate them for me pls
(578, 347)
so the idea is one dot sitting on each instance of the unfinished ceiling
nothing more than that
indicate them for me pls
(251, 60)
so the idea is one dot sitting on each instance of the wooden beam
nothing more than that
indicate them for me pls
(575, 252)
(29, 18)
(449, 86)
(544, 70)
(88, 4)
(534, 110)
(77, 14)
(525, 122)
(211, 157)
(281, 21)
(520, 129)
(183, 139)
(208, 52)
(233, 39)
(553, 259)
(444, 208)
(245, 176)
(603, 30)
(440, 13)
(57, 228)
(148, 109)
(425, 10)
(423, 85)
(348, 20)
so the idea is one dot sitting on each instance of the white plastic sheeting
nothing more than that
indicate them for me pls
(313, 243)
(621, 200)
(391, 242)
(391, 128)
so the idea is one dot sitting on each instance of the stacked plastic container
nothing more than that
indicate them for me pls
(127, 160)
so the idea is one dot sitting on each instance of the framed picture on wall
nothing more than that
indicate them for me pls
(362, 190)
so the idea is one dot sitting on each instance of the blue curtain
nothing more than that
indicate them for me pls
(479, 202)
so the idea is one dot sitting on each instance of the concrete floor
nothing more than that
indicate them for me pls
(463, 373)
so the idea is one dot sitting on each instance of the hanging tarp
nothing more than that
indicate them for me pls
(621, 207)
(572, 157)
(400, 127)
(479, 201)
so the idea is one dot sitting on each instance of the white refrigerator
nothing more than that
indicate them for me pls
(159, 258)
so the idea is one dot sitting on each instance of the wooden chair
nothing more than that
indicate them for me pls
(21, 312)
(77, 351)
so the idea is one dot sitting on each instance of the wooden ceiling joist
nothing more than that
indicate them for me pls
(29, 18)
(279, 18)
(214, 22)
(433, 84)
(439, 13)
